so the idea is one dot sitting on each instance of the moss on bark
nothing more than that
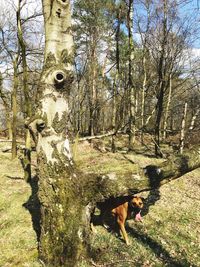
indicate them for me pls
(65, 229)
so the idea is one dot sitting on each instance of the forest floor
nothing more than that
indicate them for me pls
(169, 234)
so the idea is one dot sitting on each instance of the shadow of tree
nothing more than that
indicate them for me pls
(33, 206)
(154, 176)
(158, 249)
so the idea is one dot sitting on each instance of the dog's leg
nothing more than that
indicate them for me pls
(121, 223)
(104, 215)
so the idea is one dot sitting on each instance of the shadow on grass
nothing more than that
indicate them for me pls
(33, 206)
(158, 249)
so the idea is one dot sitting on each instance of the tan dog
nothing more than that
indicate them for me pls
(123, 212)
(122, 209)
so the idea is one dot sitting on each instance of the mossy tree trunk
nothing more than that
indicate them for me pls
(67, 196)
(64, 223)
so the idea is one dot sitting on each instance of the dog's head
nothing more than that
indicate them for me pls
(136, 203)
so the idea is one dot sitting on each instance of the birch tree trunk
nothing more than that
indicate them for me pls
(167, 108)
(194, 117)
(63, 238)
(182, 137)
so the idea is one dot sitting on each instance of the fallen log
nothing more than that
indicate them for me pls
(115, 183)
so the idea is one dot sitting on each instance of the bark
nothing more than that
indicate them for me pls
(14, 108)
(167, 109)
(92, 87)
(64, 228)
(161, 82)
(114, 111)
(194, 117)
(182, 135)
(7, 108)
(27, 102)
(116, 83)
(132, 94)
(159, 108)
(143, 90)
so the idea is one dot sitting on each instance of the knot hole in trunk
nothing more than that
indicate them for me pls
(59, 79)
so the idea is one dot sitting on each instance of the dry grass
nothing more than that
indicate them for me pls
(17, 237)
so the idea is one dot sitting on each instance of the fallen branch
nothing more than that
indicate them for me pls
(96, 136)
(115, 184)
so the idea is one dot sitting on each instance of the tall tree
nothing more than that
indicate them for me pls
(62, 235)
(27, 101)
(5, 100)
(132, 93)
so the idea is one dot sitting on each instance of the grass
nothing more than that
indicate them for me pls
(17, 237)
(168, 236)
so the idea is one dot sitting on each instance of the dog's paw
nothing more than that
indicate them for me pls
(105, 226)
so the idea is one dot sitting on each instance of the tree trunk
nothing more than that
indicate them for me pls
(116, 83)
(14, 109)
(7, 109)
(27, 104)
(194, 117)
(143, 90)
(64, 222)
(159, 108)
(161, 82)
(132, 94)
(167, 109)
(182, 137)
(114, 111)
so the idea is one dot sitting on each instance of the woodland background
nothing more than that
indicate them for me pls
(135, 78)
